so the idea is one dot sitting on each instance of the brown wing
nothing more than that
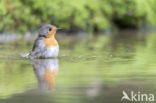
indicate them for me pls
(36, 50)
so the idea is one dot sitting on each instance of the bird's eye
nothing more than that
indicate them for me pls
(50, 29)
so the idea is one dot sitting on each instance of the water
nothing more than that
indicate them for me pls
(86, 72)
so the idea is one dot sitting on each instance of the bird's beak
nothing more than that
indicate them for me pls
(58, 28)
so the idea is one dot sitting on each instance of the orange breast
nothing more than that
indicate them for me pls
(50, 42)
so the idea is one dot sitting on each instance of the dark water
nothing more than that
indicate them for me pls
(94, 72)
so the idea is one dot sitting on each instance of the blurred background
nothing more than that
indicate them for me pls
(74, 16)
(106, 47)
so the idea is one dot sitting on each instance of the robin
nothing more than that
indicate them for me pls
(45, 46)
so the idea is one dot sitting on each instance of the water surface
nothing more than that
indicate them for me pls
(87, 71)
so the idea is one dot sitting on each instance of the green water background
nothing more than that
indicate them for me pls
(92, 70)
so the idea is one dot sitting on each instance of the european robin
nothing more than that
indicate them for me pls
(45, 46)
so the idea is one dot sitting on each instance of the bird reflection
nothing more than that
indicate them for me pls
(45, 71)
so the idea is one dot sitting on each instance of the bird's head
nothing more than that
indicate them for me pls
(47, 31)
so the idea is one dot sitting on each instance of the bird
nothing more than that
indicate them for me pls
(45, 46)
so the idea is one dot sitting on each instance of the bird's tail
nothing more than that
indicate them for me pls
(25, 55)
